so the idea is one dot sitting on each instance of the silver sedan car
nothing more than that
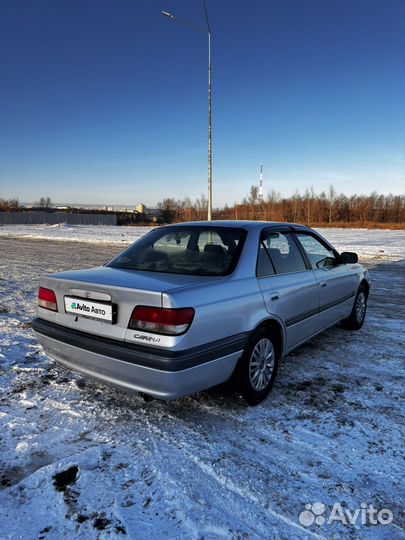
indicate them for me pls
(188, 306)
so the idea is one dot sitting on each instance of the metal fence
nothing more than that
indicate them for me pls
(40, 218)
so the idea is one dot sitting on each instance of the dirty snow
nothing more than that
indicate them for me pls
(81, 460)
(369, 243)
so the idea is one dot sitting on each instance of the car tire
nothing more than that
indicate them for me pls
(356, 318)
(258, 366)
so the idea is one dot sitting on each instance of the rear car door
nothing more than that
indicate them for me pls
(336, 284)
(289, 288)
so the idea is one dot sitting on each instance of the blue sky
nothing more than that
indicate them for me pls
(105, 101)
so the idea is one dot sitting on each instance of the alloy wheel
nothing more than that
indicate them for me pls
(261, 364)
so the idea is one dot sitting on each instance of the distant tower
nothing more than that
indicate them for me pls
(261, 183)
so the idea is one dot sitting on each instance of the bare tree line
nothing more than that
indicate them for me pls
(325, 208)
(184, 210)
(311, 208)
(9, 205)
(13, 205)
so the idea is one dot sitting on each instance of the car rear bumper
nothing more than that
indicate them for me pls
(162, 374)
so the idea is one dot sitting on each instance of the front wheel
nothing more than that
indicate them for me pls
(258, 367)
(356, 318)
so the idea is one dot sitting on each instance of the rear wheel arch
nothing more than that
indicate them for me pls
(276, 331)
(257, 367)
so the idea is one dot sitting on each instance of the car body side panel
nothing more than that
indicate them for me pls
(222, 309)
(293, 298)
(337, 291)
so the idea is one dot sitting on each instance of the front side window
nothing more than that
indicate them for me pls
(319, 255)
(200, 251)
(278, 253)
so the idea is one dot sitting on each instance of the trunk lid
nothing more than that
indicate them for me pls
(124, 288)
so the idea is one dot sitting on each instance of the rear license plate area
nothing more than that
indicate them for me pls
(91, 309)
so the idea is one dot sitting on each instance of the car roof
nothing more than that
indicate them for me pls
(246, 224)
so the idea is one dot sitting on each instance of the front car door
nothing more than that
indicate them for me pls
(336, 284)
(289, 288)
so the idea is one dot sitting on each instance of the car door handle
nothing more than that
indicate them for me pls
(274, 296)
(323, 284)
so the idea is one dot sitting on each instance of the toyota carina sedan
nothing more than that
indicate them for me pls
(187, 306)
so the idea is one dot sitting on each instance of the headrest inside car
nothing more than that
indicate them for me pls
(214, 248)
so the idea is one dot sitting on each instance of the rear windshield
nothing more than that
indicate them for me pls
(197, 251)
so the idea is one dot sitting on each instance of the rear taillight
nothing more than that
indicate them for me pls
(172, 322)
(47, 299)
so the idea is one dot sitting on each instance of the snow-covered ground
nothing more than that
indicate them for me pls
(370, 243)
(81, 460)
(104, 234)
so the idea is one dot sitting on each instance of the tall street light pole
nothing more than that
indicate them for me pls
(208, 32)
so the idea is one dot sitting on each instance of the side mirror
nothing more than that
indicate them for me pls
(348, 257)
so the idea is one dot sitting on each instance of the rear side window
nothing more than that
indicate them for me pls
(283, 255)
(264, 265)
(200, 251)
